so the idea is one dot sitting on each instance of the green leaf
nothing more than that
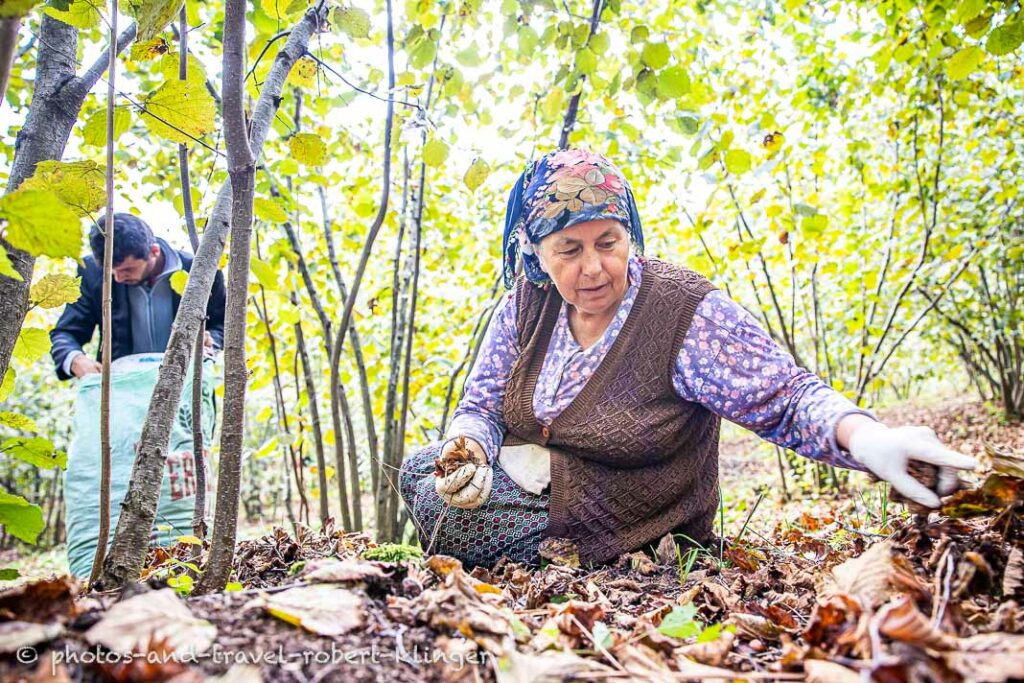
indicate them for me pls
(307, 148)
(180, 111)
(680, 622)
(233, 587)
(82, 185)
(528, 41)
(16, 8)
(35, 451)
(655, 55)
(9, 574)
(476, 174)
(963, 62)
(7, 386)
(602, 636)
(710, 634)
(32, 344)
(1005, 39)
(639, 34)
(737, 161)
(21, 518)
(353, 21)
(55, 289)
(41, 224)
(279, 10)
(82, 14)
(969, 9)
(265, 274)
(599, 43)
(18, 421)
(469, 56)
(269, 210)
(586, 61)
(688, 124)
(94, 132)
(179, 279)
(435, 153)
(153, 15)
(6, 267)
(673, 82)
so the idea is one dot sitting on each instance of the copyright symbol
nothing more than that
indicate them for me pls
(27, 655)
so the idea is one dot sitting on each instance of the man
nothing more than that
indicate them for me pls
(143, 303)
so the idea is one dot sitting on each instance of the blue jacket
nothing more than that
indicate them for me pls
(81, 318)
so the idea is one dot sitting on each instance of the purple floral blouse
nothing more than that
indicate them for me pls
(727, 363)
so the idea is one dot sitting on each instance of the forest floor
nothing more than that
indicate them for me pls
(824, 586)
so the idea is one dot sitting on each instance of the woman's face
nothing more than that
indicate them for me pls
(588, 263)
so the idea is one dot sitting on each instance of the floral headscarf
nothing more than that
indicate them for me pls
(562, 189)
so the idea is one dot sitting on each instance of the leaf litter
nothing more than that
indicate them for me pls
(816, 598)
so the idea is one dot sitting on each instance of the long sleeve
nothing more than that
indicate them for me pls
(730, 365)
(479, 414)
(73, 330)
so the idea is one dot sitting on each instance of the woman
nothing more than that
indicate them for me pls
(592, 412)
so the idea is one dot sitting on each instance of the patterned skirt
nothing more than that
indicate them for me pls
(511, 523)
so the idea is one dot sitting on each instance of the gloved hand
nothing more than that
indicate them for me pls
(887, 452)
(462, 475)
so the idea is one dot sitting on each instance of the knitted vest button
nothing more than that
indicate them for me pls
(546, 432)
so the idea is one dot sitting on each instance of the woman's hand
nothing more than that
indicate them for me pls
(887, 452)
(462, 475)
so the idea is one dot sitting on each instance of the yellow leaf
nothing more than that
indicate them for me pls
(94, 132)
(8, 384)
(19, 422)
(180, 111)
(178, 280)
(40, 223)
(265, 274)
(308, 149)
(149, 49)
(55, 290)
(435, 152)
(153, 15)
(83, 14)
(303, 74)
(6, 267)
(476, 174)
(82, 185)
(190, 539)
(32, 344)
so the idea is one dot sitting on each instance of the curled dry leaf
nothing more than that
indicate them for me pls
(667, 552)
(989, 657)
(546, 667)
(712, 652)
(454, 460)
(574, 616)
(155, 616)
(15, 635)
(901, 620)
(324, 609)
(755, 626)
(820, 671)
(1013, 575)
(872, 576)
(1005, 460)
(40, 601)
(340, 571)
(560, 551)
(834, 622)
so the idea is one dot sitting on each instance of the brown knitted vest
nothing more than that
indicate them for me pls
(632, 461)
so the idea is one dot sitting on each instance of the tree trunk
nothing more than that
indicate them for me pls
(138, 510)
(108, 286)
(8, 46)
(56, 101)
(242, 171)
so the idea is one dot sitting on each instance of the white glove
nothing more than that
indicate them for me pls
(467, 487)
(888, 451)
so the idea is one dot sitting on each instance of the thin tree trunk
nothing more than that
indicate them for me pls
(198, 454)
(574, 104)
(139, 507)
(9, 27)
(106, 333)
(314, 412)
(242, 170)
(56, 101)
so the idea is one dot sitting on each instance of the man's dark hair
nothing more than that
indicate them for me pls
(132, 237)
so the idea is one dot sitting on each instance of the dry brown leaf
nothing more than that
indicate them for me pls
(719, 596)
(240, 673)
(442, 565)
(560, 551)
(869, 576)
(1004, 460)
(989, 658)
(546, 667)
(667, 552)
(155, 616)
(340, 571)
(1013, 575)
(324, 609)
(901, 620)
(820, 671)
(15, 635)
(834, 622)
(574, 616)
(40, 601)
(755, 626)
(713, 652)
